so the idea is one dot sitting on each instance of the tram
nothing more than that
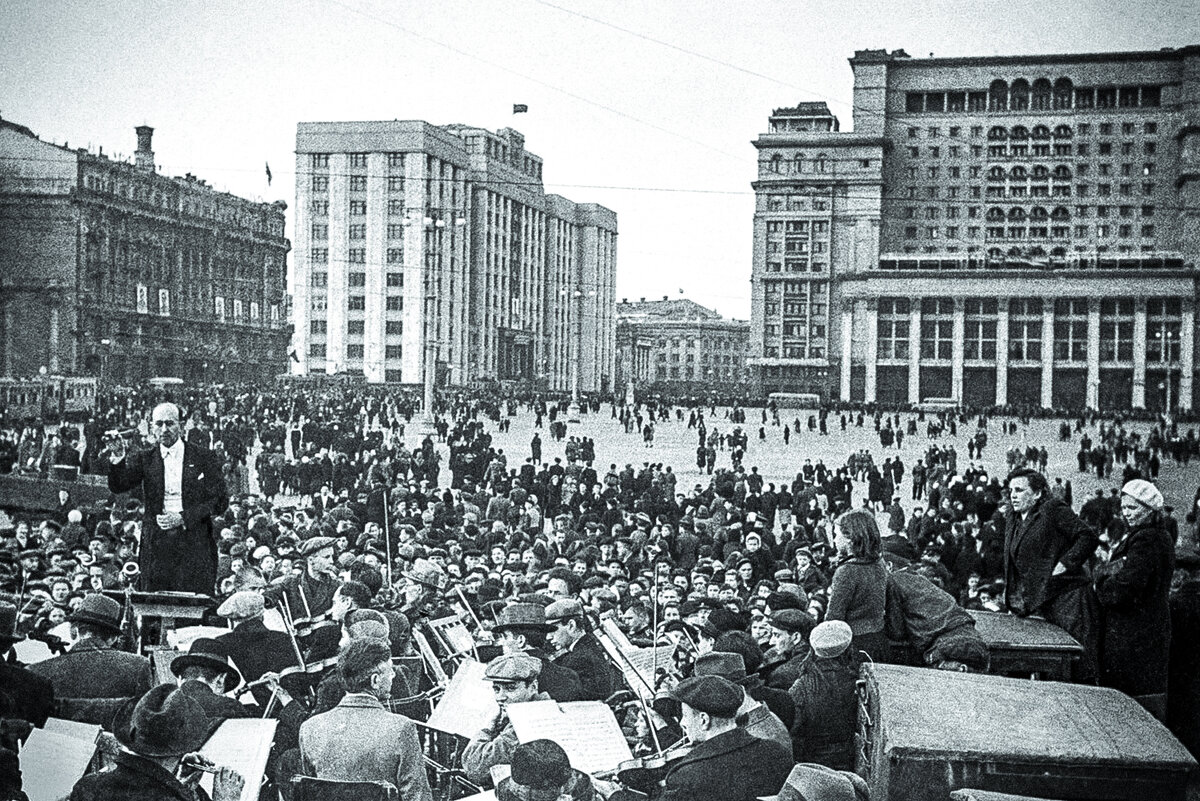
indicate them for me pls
(48, 396)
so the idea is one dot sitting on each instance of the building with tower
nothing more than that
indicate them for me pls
(1016, 230)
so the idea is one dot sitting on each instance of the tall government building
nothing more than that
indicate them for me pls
(996, 230)
(419, 242)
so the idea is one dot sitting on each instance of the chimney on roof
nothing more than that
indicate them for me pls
(643, 300)
(144, 155)
(666, 297)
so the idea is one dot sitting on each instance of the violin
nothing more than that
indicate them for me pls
(645, 773)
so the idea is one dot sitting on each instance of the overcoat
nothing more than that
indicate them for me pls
(1135, 612)
(733, 766)
(92, 679)
(179, 561)
(588, 661)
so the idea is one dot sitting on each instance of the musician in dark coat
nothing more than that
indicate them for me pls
(579, 650)
(522, 628)
(183, 489)
(1133, 588)
(1183, 693)
(157, 731)
(1046, 548)
(23, 694)
(94, 678)
(206, 675)
(726, 763)
(254, 649)
(826, 699)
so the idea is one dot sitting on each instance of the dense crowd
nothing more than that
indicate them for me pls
(345, 518)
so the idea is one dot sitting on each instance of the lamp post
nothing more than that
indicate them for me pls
(1166, 337)
(426, 423)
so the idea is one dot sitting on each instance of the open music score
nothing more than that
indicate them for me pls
(54, 758)
(468, 705)
(586, 730)
(242, 744)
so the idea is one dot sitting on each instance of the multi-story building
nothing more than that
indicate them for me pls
(1001, 230)
(419, 244)
(110, 269)
(679, 347)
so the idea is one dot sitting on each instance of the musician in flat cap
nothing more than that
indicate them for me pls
(183, 489)
(726, 763)
(309, 595)
(514, 681)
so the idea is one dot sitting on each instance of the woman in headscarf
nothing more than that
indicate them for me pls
(1133, 590)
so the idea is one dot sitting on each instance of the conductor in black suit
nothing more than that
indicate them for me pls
(182, 489)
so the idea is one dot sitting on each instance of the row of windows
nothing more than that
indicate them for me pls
(320, 161)
(1040, 96)
(355, 327)
(662, 358)
(1124, 231)
(355, 231)
(1147, 188)
(354, 350)
(358, 208)
(690, 342)
(357, 183)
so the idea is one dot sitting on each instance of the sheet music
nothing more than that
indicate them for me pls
(51, 763)
(273, 620)
(85, 732)
(181, 639)
(30, 652)
(241, 744)
(586, 730)
(468, 704)
(161, 660)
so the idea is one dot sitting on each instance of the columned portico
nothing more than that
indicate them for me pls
(1093, 354)
(847, 350)
(1186, 357)
(872, 325)
(914, 352)
(1047, 354)
(1139, 354)
(1002, 352)
(956, 355)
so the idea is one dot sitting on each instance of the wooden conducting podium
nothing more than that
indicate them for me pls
(166, 607)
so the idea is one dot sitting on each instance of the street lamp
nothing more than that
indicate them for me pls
(433, 228)
(1166, 337)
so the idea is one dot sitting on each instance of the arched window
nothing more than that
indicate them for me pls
(776, 163)
(1016, 213)
(820, 163)
(998, 96)
(997, 132)
(1018, 97)
(798, 163)
(996, 173)
(1014, 251)
(1041, 95)
(1018, 173)
(1038, 213)
(1041, 132)
(1063, 132)
(995, 213)
(1037, 250)
(1063, 91)
(1040, 172)
(996, 253)
(1063, 172)
(1060, 213)
(1019, 132)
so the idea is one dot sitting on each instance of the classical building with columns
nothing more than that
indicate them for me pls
(111, 269)
(420, 245)
(1017, 230)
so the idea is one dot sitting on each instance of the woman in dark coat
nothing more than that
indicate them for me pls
(858, 594)
(1133, 590)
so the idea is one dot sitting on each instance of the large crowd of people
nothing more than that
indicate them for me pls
(311, 506)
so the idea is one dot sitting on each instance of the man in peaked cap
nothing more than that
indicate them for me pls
(826, 699)
(579, 649)
(789, 646)
(727, 763)
(94, 678)
(755, 717)
(522, 629)
(514, 681)
(205, 674)
(812, 782)
(254, 649)
(310, 594)
(157, 731)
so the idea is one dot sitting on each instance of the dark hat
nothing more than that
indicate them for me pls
(540, 765)
(8, 626)
(793, 620)
(714, 695)
(719, 663)
(810, 780)
(98, 610)
(162, 723)
(311, 546)
(723, 620)
(522, 616)
(207, 653)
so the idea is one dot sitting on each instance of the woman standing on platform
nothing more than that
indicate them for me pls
(858, 594)
(1133, 589)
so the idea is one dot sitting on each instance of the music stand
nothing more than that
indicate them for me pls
(167, 607)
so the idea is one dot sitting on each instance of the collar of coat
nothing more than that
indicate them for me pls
(360, 701)
(723, 743)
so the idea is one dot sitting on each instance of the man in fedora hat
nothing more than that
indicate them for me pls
(161, 733)
(94, 678)
(184, 489)
(522, 629)
(579, 649)
(205, 675)
(23, 694)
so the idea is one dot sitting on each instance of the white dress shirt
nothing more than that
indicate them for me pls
(173, 477)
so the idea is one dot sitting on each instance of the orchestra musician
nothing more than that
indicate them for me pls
(726, 763)
(579, 650)
(359, 740)
(23, 694)
(522, 629)
(254, 649)
(514, 681)
(205, 675)
(183, 488)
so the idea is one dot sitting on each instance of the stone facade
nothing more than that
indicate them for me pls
(678, 347)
